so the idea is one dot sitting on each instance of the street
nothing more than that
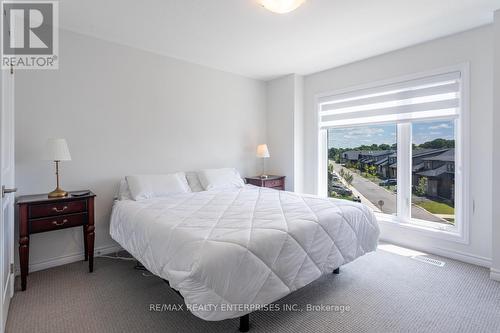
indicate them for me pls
(374, 193)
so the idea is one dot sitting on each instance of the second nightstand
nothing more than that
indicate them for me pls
(276, 182)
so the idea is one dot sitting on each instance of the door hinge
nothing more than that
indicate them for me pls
(12, 268)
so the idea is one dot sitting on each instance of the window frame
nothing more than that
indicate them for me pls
(460, 231)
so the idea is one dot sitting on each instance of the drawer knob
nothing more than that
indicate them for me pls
(57, 223)
(55, 209)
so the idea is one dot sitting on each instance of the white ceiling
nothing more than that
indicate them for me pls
(240, 36)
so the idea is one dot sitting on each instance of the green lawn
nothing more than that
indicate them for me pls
(392, 188)
(435, 207)
(339, 196)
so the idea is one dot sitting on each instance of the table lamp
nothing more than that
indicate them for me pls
(263, 152)
(57, 150)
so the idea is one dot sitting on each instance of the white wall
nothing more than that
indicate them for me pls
(284, 127)
(125, 111)
(476, 47)
(280, 114)
(298, 135)
(495, 270)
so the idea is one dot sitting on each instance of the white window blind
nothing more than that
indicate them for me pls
(426, 98)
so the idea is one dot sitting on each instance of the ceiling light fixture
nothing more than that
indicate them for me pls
(281, 6)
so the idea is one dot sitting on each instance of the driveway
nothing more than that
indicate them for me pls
(374, 193)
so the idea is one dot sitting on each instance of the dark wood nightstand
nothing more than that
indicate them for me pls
(276, 182)
(39, 213)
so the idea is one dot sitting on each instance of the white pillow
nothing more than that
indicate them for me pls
(151, 186)
(194, 182)
(212, 179)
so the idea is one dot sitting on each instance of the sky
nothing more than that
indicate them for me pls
(368, 135)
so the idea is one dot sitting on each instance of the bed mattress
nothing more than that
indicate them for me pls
(228, 252)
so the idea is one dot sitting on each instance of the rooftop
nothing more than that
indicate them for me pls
(447, 156)
(434, 172)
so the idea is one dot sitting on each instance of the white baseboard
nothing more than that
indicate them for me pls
(67, 259)
(495, 274)
(464, 257)
(452, 254)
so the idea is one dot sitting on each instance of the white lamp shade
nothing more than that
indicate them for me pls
(262, 151)
(281, 6)
(57, 150)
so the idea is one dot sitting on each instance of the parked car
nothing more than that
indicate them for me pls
(337, 183)
(333, 177)
(342, 190)
(388, 182)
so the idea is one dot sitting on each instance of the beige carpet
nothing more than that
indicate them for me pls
(385, 293)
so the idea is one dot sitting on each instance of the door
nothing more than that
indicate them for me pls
(7, 192)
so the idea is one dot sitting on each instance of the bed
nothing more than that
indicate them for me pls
(230, 251)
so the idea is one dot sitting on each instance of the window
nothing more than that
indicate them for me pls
(398, 147)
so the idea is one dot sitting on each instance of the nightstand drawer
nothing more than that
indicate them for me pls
(274, 183)
(54, 209)
(57, 222)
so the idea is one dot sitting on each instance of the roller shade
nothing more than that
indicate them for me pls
(430, 97)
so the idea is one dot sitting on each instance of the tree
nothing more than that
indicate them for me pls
(371, 169)
(348, 177)
(332, 152)
(438, 144)
(330, 168)
(421, 188)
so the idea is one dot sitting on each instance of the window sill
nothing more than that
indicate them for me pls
(448, 234)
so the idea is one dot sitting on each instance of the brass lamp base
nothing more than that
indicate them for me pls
(58, 193)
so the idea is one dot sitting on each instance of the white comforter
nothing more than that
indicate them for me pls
(224, 249)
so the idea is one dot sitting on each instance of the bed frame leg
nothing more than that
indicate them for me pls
(336, 271)
(245, 323)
